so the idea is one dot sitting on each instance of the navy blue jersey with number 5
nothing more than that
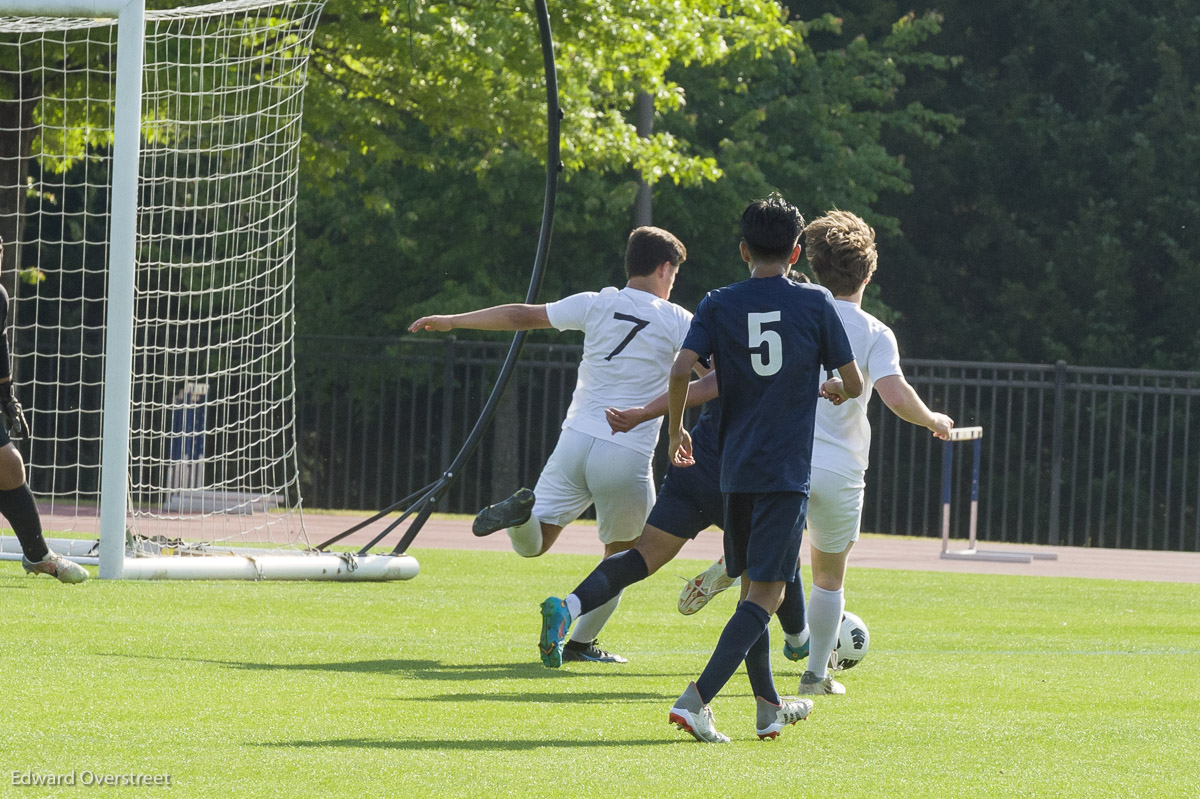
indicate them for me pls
(772, 341)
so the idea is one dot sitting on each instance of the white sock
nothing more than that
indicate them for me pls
(573, 606)
(796, 640)
(588, 626)
(824, 618)
(526, 537)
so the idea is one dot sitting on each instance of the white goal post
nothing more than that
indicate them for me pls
(150, 215)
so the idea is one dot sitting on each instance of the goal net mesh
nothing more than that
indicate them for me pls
(212, 453)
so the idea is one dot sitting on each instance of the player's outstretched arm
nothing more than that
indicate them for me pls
(699, 392)
(902, 398)
(514, 316)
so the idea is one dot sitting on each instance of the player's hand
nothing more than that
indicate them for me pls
(440, 324)
(680, 451)
(10, 410)
(622, 421)
(834, 390)
(941, 426)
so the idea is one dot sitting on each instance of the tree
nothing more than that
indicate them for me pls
(31, 69)
(472, 73)
(1059, 223)
(808, 120)
(442, 187)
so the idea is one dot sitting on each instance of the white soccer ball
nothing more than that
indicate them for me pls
(853, 641)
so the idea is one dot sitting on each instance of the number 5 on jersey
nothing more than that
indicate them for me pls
(769, 357)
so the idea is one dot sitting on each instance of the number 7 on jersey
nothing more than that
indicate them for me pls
(638, 326)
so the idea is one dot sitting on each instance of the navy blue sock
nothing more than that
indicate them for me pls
(758, 668)
(791, 610)
(610, 578)
(744, 628)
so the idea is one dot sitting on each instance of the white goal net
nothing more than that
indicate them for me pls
(211, 441)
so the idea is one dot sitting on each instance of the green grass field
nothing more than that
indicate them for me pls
(975, 686)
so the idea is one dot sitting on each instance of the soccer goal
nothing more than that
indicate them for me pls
(148, 175)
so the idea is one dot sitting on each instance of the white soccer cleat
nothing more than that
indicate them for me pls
(812, 685)
(772, 717)
(704, 587)
(690, 714)
(57, 567)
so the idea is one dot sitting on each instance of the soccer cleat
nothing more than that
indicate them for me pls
(773, 717)
(812, 685)
(704, 587)
(556, 620)
(574, 651)
(795, 652)
(689, 713)
(57, 567)
(506, 513)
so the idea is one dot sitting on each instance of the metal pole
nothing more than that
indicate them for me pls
(1056, 450)
(947, 469)
(553, 167)
(447, 401)
(978, 448)
(643, 205)
(118, 353)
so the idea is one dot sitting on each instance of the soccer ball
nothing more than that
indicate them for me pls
(853, 641)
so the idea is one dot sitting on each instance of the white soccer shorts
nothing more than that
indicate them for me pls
(835, 504)
(584, 470)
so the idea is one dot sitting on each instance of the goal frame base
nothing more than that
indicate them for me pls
(259, 565)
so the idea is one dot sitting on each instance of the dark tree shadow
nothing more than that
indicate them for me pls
(428, 669)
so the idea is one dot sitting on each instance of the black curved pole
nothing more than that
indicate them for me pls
(432, 494)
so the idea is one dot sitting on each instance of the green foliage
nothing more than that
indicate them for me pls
(1058, 223)
(806, 120)
(473, 73)
(432, 179)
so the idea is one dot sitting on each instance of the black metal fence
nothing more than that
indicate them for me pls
(1071, 455)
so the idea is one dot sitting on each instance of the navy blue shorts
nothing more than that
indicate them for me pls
(688, 501)
(4, 439)
(763, 534)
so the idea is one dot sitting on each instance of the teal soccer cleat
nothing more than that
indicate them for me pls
(556, 621)
(795, 652)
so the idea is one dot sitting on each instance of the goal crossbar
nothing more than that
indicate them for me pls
(69, 8)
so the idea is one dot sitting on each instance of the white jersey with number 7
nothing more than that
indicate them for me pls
(631, 338)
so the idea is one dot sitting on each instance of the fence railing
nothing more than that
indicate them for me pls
(1071, 455)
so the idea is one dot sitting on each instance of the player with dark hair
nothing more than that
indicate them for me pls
(16, 500)
(631, 336)
(770, 340)
(840, 247)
